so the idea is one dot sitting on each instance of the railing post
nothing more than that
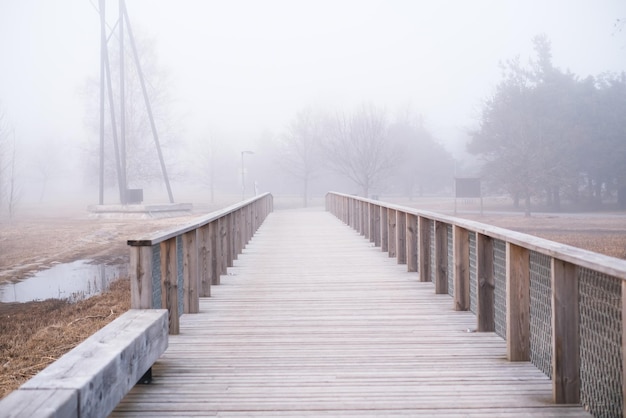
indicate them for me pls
(376, 216)
(141, 277)
(565, 337)
(364, 224)
(222, 247)
(205, 253)
(372, 222)
(517, 303)
(485, 284)
(169, 282)
(230, 240)
(411, 242)
(441, 258)
(401, 237)
(384, 229)
(423, 227)
(460, 238)
(391, 232)
(191, 301)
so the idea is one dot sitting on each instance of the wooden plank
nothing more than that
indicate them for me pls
(169, 282)
(384, 230)
(206, 259)
(565, 334)
(441, 257)
(401, 237)
(140, 271)
(411, 242)
(40, 403)
(517, 303)
(486, 284)
(102, 369)
(391, 233)
(191, 277)
(460, 237)
(423, 226)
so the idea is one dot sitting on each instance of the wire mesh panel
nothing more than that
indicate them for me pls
(541, 312)
(433, 263)
(179, 273)
(600, 306)
(450, 260)
(472, 270)
(156, 276)
(499, 275)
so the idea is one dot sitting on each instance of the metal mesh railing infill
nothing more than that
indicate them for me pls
(541, 312)
(499, 275)
(600, 327)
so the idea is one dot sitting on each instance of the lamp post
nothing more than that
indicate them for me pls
(243, 175)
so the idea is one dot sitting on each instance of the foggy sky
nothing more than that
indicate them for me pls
(243, 67)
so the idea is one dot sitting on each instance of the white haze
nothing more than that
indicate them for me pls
(246, 67)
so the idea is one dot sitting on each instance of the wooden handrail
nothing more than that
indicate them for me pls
(191, 257)
(567, 264)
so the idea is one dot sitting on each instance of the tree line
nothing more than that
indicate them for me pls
(548, 134)
(377, 153)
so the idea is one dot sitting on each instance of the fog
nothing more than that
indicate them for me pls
(236, 74)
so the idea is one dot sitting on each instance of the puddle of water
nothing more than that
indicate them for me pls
(73, 281)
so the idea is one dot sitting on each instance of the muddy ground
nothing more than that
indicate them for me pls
(32, 335)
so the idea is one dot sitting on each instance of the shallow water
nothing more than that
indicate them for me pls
(73, 281)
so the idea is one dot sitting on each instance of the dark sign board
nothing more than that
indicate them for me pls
(467, 187)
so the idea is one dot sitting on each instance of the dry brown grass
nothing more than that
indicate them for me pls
(37, 333)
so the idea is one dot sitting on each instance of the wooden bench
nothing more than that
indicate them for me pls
(91, 379)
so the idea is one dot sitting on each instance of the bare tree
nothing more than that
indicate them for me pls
(300, 149)
(358, 146)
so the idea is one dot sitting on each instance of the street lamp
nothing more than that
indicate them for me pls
(243, 175)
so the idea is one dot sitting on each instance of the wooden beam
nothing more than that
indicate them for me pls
(565, 336)
(441, 258)
(517, 303)
(460, 237)
(411, 242)
(391, 232)
(401, 237)
(191, 294)
(169, 282)
(141, 287)
(384, 229)
(205, 262)
(423, 226)
(485, 284)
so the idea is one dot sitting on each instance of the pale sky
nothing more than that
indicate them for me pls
(248, 66)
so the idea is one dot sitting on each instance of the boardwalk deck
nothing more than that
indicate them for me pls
(315, 321)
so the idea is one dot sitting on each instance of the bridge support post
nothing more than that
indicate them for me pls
(411, 242)
(206, 254)
(517, 303)
(423, 227)
(384, 229)
(461, 269)
(441, 258)
(565, 337)
(191, 296)
(391, 232)
(485, 312)
(401, 237)
(169, 282)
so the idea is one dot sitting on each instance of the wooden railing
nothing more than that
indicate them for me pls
(558, 306)
(172, 269)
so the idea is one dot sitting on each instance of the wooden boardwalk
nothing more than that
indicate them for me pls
(315, 321)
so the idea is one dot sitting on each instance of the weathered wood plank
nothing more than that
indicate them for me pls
(517, 302)
(485, 282)
(95, 375)
(565, 338)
